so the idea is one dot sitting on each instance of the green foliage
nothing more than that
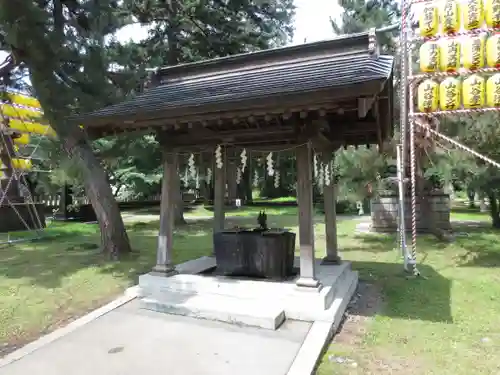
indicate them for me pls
(362, 15)
(186, 31)
(93, 68)
(359, 170)
(211, 28)
(466, 171)
(133, 164)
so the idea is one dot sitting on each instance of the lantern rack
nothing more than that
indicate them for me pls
(409, 119)
(458, 34)
(459, 73)
(454, 112)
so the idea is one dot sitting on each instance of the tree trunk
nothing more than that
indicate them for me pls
(471, 194)
(114, 238)
(495, 215)
(204, 191)
(179, 203)
(232, 186)
(42, 57)
(247, 185)
(483, 204)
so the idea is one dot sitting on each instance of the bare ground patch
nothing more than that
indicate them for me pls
(348, 354)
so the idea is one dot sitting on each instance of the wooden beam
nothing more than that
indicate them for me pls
(384, 120)
(251, 136)
(314, 131)
(228, 135)
(364, 105)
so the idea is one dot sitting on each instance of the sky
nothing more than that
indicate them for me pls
(312, 19)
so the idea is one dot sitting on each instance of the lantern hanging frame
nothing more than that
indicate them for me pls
(409, 119)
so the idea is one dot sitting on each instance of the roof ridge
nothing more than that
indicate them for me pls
(304, 62)
(343, 44)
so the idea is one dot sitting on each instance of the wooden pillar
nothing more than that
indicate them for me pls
(167, 214)
(330, 202)
(306, 228)
(219, 193)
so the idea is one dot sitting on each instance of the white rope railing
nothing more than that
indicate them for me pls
(458, 144)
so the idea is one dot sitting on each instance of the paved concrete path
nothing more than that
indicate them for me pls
(133, 341)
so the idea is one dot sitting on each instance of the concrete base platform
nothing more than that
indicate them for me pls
(219, 308)
(130, 341)
(259, 303)
(122, 338)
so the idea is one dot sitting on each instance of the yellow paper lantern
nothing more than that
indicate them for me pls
(492, 13)
(23, 139)
(21, 113)
(473, 91)
(428, 96)
(23, 100)
(451, 17)
(31, 127)
(473, 12)
(473, 52)
(449, 94)
(449, 55)
(23, 164)
(493, 51)
(429, 57)
(493, 91)
(429, 20)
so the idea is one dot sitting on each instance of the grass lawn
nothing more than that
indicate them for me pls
(45, 283)
(207, 211)
(445, 324)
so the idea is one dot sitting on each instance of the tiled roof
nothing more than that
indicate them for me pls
(330, 64)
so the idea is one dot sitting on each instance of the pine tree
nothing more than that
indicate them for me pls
(359, 168)
(193, 30)
(362, 15)
(59, 44)
(66, 47)
(482, 134)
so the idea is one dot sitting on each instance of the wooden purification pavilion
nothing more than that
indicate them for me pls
(315, 97)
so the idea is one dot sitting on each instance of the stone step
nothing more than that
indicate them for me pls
(342, 299)
(323, 329)
(216, 307)
(253, 289)
(189, 283)
(344, 290)
(337, 285)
